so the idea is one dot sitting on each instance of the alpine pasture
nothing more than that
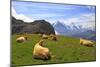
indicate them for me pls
(64, 50)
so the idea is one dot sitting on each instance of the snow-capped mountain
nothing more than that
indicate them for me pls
(73, 29)
(60, 28)
(63, 29)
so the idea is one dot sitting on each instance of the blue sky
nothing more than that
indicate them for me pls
(55, 12)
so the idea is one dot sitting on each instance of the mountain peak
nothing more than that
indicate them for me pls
(58, 23)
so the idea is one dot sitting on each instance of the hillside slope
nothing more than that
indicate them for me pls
(66, 49)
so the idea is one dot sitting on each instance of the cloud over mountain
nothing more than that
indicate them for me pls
(21, 16)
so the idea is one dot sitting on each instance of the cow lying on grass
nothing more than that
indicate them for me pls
(40, 35)
(53, 37)
(86, 42)
(41, 52)
(21, 39)
(44, 36)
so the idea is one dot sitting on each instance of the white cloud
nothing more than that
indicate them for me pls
(46, 15)
(21, 16)
(86, 20)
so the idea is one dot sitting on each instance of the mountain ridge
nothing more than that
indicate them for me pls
(38, 26)
(74, 30)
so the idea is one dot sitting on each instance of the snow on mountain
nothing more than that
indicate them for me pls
(21, 16)
(63, 29)
(75, 30)
(56, 33)
(60, 28)
(73, 26)
(70, 29)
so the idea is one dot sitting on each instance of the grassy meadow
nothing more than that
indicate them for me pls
(65, 50)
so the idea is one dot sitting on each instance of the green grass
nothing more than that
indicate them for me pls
(65, 50)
